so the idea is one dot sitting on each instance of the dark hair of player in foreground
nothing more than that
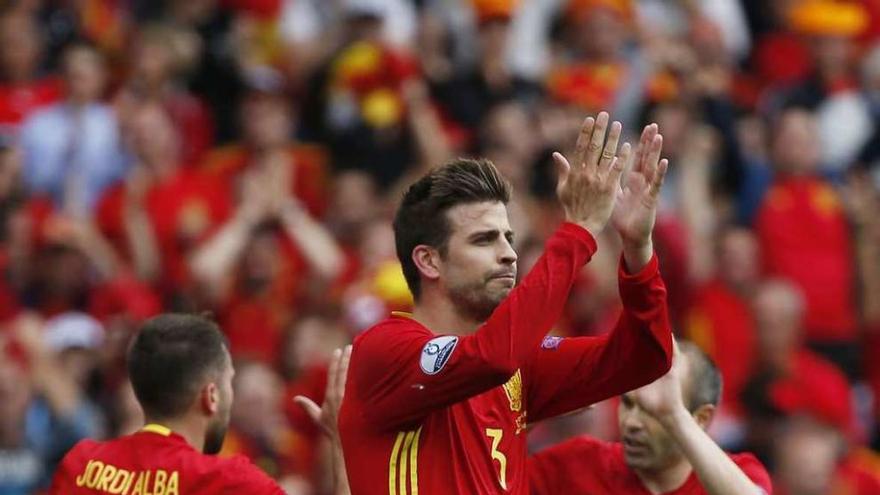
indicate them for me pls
(422, 219)
(177, 360)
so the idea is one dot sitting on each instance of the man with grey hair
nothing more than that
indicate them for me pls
(664, 447)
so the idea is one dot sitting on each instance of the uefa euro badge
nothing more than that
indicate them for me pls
(436, 353)
(551, 342)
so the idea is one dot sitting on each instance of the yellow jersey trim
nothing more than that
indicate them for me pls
(404, 457)
(158, 429)
(392, 465)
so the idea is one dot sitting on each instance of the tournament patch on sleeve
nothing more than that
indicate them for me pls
(436, 353)
(551, 342)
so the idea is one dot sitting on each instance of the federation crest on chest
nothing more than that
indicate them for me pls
(513, 391)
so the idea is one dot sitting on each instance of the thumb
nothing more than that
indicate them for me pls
(309, 406)
(563, 169)
(657, 180)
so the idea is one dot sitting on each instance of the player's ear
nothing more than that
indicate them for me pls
(427, 260)
(704, 415)
(210, 398)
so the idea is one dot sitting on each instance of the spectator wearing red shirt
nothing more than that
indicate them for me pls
(259, 430)
(22, 91)
(787, 377)
(163, 210)
(724, 267)
(664, 447)
(811, 459)
(267, 127)
(157, 62)
(601, 69)
(804, 237)
(259, 266)
(308, 353)
(719, 319)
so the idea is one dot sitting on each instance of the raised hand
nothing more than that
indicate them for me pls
(636, 209)
(588, 184)
(663, 397)
(327, 414)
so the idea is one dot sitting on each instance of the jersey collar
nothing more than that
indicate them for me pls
(157, 429)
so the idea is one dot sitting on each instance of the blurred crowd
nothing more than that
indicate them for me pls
(243, 158)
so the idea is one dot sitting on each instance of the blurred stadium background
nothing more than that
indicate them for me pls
(243, 157)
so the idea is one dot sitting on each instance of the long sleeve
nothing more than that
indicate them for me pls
(568, 374)
(403, 370)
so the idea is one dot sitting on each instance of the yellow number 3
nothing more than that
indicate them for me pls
(495, 434)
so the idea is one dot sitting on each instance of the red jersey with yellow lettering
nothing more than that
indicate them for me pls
(432, 414)
(584, 465)
(155, 461)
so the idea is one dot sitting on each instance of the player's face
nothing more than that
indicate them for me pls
(646, 444)
(479, 266)
(217, 429)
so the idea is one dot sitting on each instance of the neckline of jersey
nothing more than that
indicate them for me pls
(157, 429)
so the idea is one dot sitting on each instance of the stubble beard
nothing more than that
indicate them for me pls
(477, 300)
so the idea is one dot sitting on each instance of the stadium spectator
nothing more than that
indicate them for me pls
(46, 408)
(160, 55)
(787, 377)
(25, 89)
(268, 125)
(261, 263)
(72, 150)
(799, 209)
(259, 430)
(811, 460)
(470, 93)
(163, 209)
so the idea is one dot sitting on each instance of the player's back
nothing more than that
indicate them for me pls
(155, 461)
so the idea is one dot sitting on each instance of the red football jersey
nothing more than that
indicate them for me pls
(584, 465)
(720, 322)
(804, 235)
(155, 461)
(439, 414)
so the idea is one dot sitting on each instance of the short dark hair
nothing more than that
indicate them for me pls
(704, 380)
(421, 217)
(172, 356)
